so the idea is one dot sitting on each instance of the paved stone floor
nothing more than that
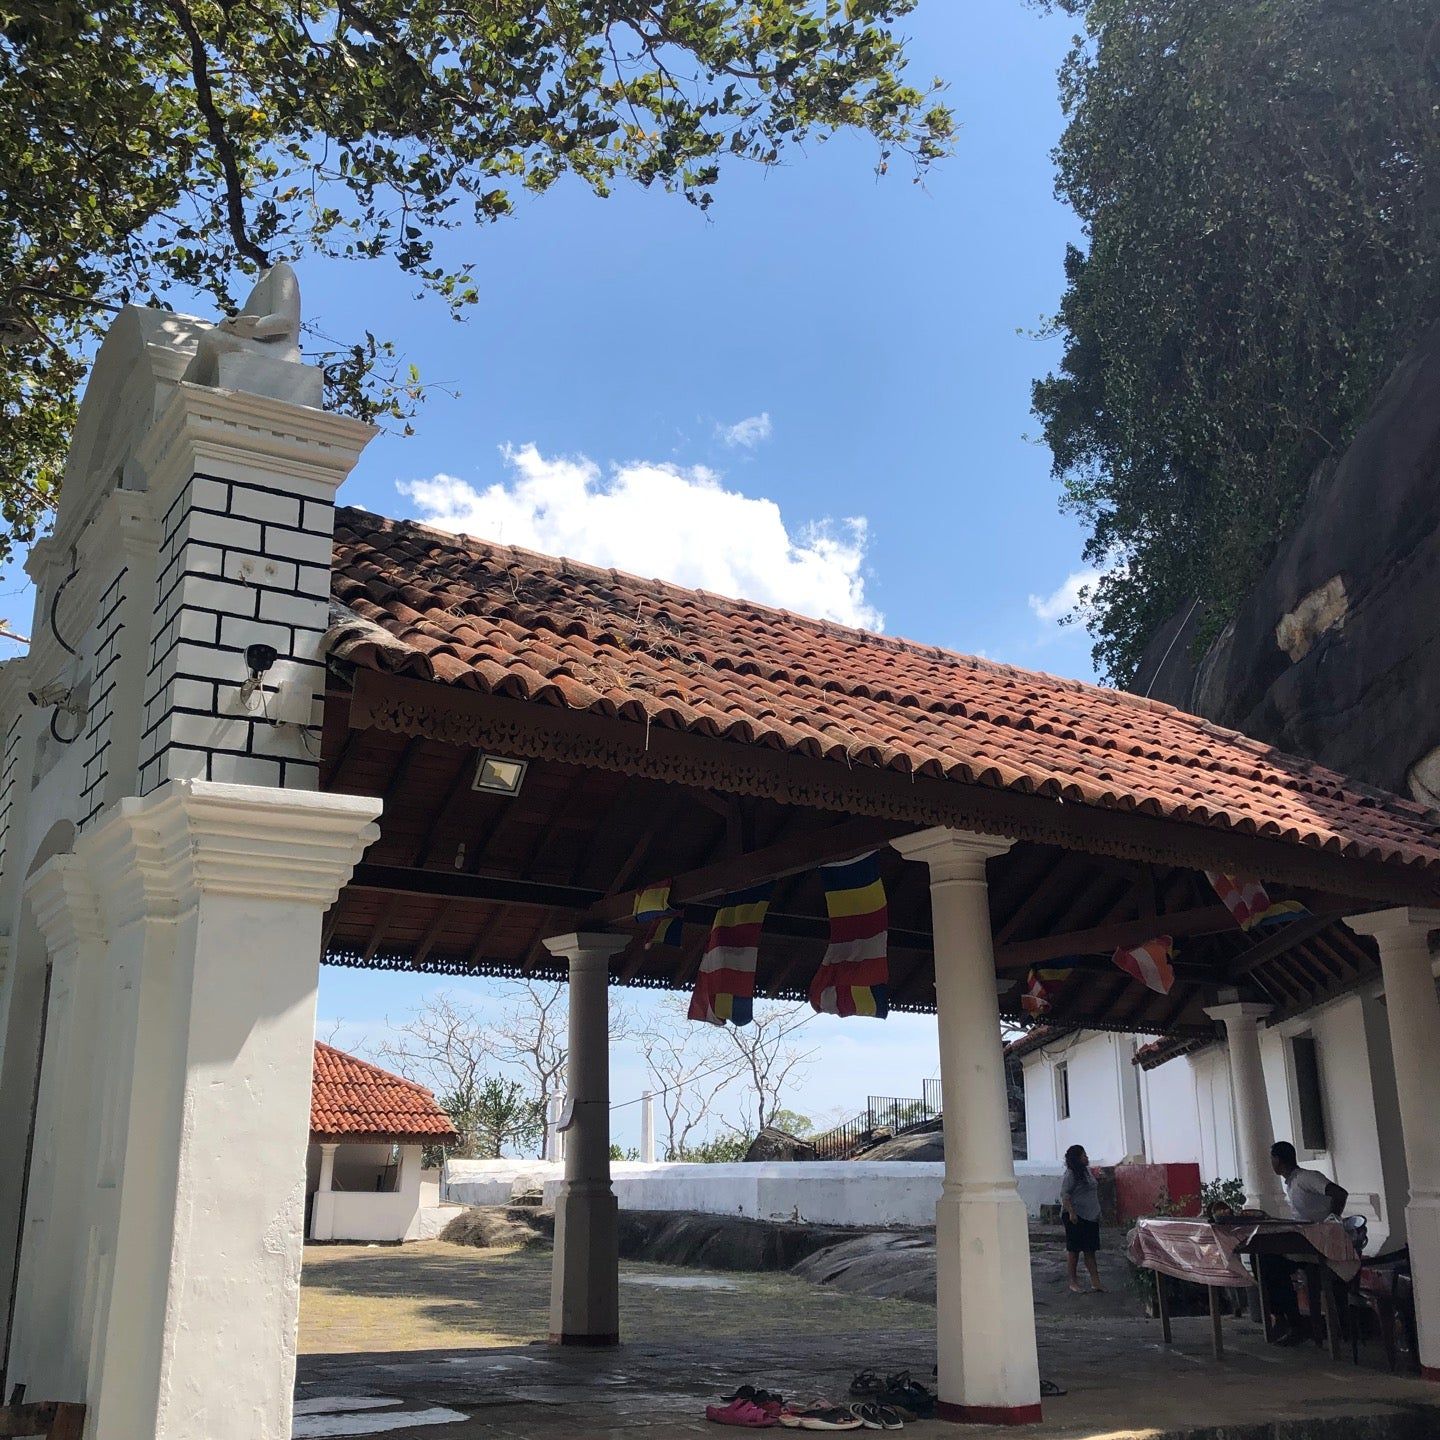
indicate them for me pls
(694, 1334)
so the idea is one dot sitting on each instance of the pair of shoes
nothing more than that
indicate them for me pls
(899, 1392)
(758, 1396)
(873, 1416)
(745, 1414)
(819, 1416)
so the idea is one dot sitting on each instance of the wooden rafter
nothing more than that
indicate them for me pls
(1208, 920)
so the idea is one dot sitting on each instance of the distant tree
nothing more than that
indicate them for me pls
(793, 1123)
(1258, 183)
(769, 1061)
(146, 148)
(502, 1114)
(689, 1066)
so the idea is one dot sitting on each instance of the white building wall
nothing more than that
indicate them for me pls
(356, 1209)
(1105, 1114)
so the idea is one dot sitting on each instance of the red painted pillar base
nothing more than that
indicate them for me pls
(987, 1414)
(594, 1342)
(1431, 1373)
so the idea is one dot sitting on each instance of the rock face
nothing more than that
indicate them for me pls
(773, 1144)
(1336, 652)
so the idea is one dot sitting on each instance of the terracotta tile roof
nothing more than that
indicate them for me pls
(352, 1100)
(1036, 1038)
(472, 615)
(1166, 1048)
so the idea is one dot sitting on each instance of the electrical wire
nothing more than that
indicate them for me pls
(54, 607)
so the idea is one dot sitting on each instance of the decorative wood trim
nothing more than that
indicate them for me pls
(513, 727)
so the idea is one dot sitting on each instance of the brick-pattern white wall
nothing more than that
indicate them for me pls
(240, 563)
(109, 651)
(9, 765)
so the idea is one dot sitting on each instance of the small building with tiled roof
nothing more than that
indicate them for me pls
(368, 1129)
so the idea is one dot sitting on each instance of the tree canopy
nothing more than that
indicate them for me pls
(154, 145)
(1259, 182)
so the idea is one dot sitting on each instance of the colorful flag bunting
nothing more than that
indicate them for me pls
(854, 976)
(725, 986)
(653, 908)
(1149, 963)
(1249, 902)
(1039, 992)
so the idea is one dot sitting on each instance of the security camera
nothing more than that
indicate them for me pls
(55, 693)
(259, 658)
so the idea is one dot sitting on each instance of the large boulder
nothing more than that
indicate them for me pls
(1335, 653)
(773, 1144)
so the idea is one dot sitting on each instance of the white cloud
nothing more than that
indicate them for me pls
(1063, 600)
(748, 432)
(663, 520)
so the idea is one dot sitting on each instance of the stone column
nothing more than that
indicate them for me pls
(322, 1213)
(1414, 1015)
(585, 1280)
(647, 1128)
(985, 1314)
(214, 895)
(1254, 1128)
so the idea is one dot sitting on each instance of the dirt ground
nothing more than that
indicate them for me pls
(432, 1296)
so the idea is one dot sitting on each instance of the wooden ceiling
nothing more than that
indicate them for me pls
(464, 882)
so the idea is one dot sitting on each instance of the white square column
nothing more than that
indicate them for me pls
(1254, 1127)
(585, 1278)
(1413, 1011)
(985, 1312)
(211, 897)
(322, 1214)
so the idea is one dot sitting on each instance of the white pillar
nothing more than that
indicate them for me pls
(554, 1136)
(213, 895)
(322, 1211)
(647, 1128)
(1414, 1015)
(1254, 1128)
(585, 1279)
(985, 1313)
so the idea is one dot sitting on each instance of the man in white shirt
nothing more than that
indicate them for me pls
(1312, 1196)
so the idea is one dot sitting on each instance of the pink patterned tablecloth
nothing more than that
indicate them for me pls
(1209, 1254)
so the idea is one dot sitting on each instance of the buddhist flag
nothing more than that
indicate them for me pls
(725, 987)
(1149, 963)
(653, 908)
(1249, 902)
(1039, 991)
(854, 976)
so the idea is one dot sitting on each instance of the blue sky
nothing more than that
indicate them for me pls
(879, 329)
(817, 393)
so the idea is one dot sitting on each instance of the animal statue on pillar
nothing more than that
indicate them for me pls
(258, 349)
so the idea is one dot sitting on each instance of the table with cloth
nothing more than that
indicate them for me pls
(1213, 1254)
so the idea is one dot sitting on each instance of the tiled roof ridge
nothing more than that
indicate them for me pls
(379, 1071)
(1302, 770)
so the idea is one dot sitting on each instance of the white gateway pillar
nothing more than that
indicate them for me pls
(1254, 1127)
(647, 1128)
(1413, 1011)
(985, 1314)
(214, 895)
(322, 1213)
(585, 1280)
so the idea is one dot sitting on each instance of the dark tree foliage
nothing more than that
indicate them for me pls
(152, 145)
(1259, 182)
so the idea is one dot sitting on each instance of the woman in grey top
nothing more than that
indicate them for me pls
(1080, 1200)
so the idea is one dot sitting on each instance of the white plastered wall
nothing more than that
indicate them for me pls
(1105, 1114)
(359, 1212)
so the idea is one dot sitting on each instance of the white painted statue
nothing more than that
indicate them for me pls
(259, 348)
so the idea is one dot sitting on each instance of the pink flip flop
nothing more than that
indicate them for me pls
(745, 1414)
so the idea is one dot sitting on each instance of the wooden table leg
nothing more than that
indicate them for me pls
(1217, 1335)
(1332, 1318)
(1161, 1306)
(1260, 1291)
(1217, 1338)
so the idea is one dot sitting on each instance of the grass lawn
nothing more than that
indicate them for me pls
(433, 1295)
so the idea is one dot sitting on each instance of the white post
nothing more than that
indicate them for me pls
(585, 1279)
(1254, 1128)
(554, 1136)
(1413, 1011)
(322, 1214)
(215, 894)
(989, 1372)
(647, 1128)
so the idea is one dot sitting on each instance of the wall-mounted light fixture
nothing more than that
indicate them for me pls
(258, 660)
(500, 776)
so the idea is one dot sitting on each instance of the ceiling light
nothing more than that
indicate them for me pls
(500, 776)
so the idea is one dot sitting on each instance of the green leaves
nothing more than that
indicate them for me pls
(152, 144)
(1257, 179)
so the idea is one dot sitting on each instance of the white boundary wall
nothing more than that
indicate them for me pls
(842, 1192)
